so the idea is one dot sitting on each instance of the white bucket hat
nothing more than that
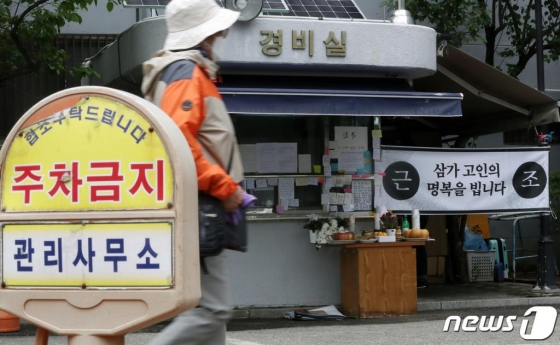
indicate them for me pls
(189, 22)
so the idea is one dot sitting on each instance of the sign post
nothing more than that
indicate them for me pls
(99, 222)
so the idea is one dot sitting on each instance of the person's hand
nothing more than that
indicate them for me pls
(233, 201)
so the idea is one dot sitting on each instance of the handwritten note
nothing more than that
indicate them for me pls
(250, 183)
(332, 198)
(350, 139)
(272, 182)
(249, 157)
(313, 181)
(362, 195)
(286, 188)
(328, 183)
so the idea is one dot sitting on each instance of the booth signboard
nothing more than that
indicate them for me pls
(447, 181)
(97, 216)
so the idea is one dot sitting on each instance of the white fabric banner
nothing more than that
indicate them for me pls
(447, 181)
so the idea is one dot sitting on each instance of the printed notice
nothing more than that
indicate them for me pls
(304, 164)
(332, 198)
(249, 157)
(340, 198)
(277, 158)
(261, 183)
(351, 161)
(362, 195)
(348, 199)
(286, 188)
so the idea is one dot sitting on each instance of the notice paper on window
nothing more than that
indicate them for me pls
(286, 188)
(350, 139)
(277, 158)
(261, 183)
(362, 195)
(249, 157)
(304, 164)
(351, 161)
(313, 181)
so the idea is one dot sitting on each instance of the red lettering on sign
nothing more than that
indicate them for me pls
(27, 172)
(142, 179)
(63, 176)
(110, 189)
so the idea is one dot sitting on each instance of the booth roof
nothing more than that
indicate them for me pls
(493, 101)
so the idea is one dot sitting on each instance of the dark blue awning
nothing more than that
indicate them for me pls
(261, 101)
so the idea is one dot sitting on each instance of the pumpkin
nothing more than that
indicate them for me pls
(419, 233)
(407, 233)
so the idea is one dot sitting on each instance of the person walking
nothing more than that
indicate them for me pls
(179, 79)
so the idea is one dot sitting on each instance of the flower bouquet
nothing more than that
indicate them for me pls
(326, 228)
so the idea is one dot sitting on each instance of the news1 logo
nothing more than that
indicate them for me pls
(542, 328)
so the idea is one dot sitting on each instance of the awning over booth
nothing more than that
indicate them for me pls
(493, 101)
(275, 101)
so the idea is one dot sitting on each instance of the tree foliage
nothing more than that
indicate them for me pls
(492, 22)
(28, 33)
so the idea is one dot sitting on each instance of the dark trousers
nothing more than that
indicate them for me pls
(421, 262)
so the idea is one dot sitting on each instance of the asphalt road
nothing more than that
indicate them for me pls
(425, 328)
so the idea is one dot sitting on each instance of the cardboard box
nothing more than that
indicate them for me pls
(436, 269)
(438, 231)
(478, 223)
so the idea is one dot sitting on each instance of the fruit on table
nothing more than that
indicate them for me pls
(343, 236)
(380, 233)
(418, 233)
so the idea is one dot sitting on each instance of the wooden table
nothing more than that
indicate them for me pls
(378, 279)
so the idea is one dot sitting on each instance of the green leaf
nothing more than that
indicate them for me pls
(110, 6)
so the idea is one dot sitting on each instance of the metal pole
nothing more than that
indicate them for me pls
(539, 38)
(546, 275)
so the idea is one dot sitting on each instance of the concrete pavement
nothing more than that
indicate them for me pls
(265, 326)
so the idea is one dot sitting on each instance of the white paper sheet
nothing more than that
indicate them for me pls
(350, 161)
(348, 199)
(272, 182)
(327, 170)
(293, 202)
(348, 208)
(324, 199)
(304, 164)
(249, 157)
(313, 181)
(250, 183)
(332, 198)
(362, 195)
(333, 208)
(333, 149)
(277, 158)
(286, 188)
(287, 157)
(261, 183)
(340, 198)
(302, 181)
(326, 161)
(351, 138)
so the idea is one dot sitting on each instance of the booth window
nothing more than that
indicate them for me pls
(311, 134)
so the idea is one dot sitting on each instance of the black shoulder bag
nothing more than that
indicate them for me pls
(215, 233)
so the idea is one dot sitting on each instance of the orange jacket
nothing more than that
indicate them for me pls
(184, 90)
